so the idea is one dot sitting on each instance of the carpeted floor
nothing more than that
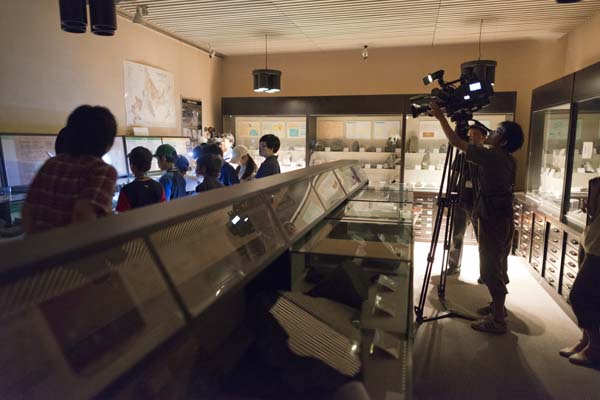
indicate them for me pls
(452, 361)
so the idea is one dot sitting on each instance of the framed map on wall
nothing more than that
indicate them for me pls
(149, 96)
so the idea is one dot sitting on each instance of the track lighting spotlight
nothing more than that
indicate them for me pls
(365, 52)
(140, 13)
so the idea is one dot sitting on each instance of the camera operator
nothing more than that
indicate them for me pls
(464, 209)
(493, 189)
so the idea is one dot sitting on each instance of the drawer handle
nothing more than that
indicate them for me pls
(535, 267)
(571, 275)
(569, 286)
(573, 253)
(555, 230)
(555, 240)
(537, 246)
(554, 251)
(575, 242)
(551, 270)
(552, 259)
(572, 264)
(539, 220)
(537, 237)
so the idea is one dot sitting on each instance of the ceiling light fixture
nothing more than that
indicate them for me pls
(103, 16)
(266, 80)
(567, 1)
(140, 13)
(211, 52)
(365, 52)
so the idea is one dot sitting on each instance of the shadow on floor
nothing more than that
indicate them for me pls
(465, 298)
(473, 368)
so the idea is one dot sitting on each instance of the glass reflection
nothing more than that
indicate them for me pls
(586, 160)
(547, 157)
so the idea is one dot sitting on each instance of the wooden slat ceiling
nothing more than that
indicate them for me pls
(235, 27)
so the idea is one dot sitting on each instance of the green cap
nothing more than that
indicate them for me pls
(166, 150)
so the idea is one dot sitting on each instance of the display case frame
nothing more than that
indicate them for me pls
(50, 265)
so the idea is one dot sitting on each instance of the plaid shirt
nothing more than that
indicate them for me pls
(64, 179)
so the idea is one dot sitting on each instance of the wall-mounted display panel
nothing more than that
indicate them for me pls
(291, 132)
(151, 143)
(23, 156)
(117, 157)
(374, 140)
(586, 159)
(547, 157)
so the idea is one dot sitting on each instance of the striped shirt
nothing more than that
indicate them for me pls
(62, 181)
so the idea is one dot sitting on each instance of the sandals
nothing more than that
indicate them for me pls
(490, 325)
(569, 351)
(587, 357)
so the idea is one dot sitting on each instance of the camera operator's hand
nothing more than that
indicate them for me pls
(436, 111)
(452, 136)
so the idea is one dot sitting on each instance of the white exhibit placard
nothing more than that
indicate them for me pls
(431, 130)
(588, 150)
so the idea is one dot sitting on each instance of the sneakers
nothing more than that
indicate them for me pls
(490, 325)
(487, 310)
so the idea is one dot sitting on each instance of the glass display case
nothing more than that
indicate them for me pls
(586, 160)
(547, 157)
(290, 130)
(375, 141)
(426, 147)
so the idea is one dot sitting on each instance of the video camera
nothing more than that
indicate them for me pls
(474, 90)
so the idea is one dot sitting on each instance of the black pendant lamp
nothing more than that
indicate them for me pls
(266, 80)
(103, 16)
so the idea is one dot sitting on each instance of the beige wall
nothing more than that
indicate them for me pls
(522, 66)
(583, 46)
(46, 73)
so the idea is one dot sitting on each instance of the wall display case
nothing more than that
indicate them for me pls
(291, 132)
(586, 159)
(375, 141)
(159, 328)
(548, 156)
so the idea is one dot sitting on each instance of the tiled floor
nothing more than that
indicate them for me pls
(452, 361)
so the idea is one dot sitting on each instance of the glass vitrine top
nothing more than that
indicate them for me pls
(547, 157)
(360, 239)
(375, 211)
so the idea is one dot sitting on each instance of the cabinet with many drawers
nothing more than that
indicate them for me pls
(425, 220)
(549, 247)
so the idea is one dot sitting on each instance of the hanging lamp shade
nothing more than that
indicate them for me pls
(73, 16)
(266, 80)
(103, 17)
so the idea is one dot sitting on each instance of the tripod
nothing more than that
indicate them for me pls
(447, 200)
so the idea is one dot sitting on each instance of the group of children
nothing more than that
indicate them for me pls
(77, 185)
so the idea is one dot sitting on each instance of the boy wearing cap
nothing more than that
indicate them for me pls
(143, 190)
(209, 167)
(268, 147)
(172, 181)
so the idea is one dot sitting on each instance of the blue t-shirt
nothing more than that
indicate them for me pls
(269, 167)
(173, 183)
(228, 176)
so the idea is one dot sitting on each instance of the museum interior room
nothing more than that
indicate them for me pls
(403, 199)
